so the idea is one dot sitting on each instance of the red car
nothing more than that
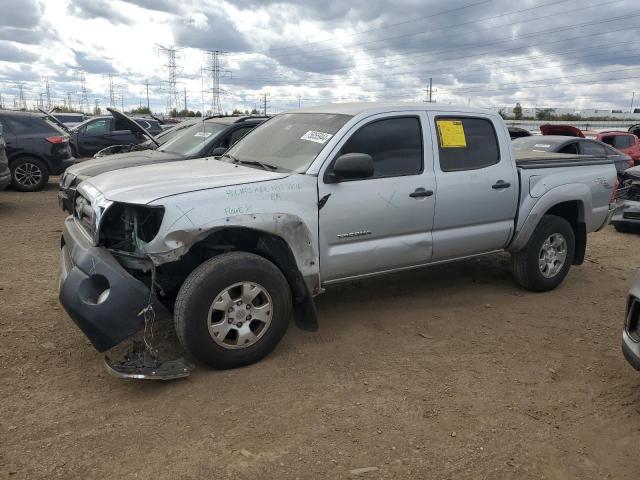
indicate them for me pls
(625, 142)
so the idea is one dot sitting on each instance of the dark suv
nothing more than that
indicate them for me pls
(91, 136)
(36, 148)
(209, 137)
(5, 174)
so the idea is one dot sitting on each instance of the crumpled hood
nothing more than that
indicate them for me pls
(142, 185)
(96, 166)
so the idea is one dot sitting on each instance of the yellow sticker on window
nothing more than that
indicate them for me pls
(451, 134)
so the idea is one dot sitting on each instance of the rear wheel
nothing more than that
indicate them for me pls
(233, 310)
(29, 174)
(547, 258)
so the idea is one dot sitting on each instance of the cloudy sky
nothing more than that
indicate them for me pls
(544, 53)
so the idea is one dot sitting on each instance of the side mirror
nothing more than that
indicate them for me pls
(218, 151)
(352, 166)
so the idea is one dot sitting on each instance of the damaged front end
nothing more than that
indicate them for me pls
(108, 285)
(627, 211)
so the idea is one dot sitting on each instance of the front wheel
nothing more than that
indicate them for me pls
(547, 258)
(233, 310)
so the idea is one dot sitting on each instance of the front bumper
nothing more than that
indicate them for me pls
(631, 350)
(99, 295)
(627, 212)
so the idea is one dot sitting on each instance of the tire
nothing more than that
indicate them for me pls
(622, 228)
(202, 310)
(526, 264)
(28, 174)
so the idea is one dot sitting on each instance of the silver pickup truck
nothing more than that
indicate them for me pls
(233, 247)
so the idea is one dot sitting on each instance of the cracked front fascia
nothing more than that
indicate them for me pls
(285, 207)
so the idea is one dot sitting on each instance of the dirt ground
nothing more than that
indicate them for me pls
(450, 372)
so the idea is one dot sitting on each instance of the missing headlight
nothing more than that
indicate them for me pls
(128, 228)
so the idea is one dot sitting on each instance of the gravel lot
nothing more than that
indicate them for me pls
(446, 372)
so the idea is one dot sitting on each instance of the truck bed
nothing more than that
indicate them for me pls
(554, 160)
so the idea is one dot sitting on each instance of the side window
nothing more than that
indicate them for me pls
(570, 148)
(97, 127)
(466, 143)
(395, 144)
(592, 148)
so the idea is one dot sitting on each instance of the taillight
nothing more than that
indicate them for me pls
(56, 140)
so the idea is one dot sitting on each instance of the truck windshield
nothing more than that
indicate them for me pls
(191, 140)
(290, 141)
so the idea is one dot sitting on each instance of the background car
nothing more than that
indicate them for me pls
(36, 148)
(70, 120)
(625, 142)
(97, 133)
(5, 174)
(575, 146)
(631, 330)
(208, 137)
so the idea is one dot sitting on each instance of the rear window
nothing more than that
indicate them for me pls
(22, 125)
(69, 118)
(618, 141)
(592, 148)
(466, 143)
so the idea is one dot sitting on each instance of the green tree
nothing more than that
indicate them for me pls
(517, 111)
(141, 111)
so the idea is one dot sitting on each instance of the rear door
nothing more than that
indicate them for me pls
(94, 136)
(477, 185)
(379, 223)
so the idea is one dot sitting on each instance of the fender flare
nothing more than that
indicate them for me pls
(572, 192)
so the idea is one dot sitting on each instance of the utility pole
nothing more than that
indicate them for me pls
(22, 102)
(633, 97)
(299, 101)
(69, 104)
(213, 62)
(147, 83)
(122, 101)
(173, 97)
(97, 107)
(429, 92)
(1, 104)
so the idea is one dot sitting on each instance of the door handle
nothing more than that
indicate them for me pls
(421, 192)
(500, 184)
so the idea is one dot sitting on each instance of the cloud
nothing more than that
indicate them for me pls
(92, 9)
(11, 53)
(91, 64)
(168, 6)
(20, 13)
(212, 30)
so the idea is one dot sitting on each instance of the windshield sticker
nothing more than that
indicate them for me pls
(318, 137)
(202, 134)
(541, 145)
(451, 134)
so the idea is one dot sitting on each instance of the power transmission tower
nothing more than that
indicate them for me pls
(97, 107)
(430, 92)
(173, 97)
(21, 102)
(1, 103)
(185, 99)
(69, 104)
(111, 88)
(84, 98)
(216, 72)
(264, 104)
(147, 84)
(47, 90)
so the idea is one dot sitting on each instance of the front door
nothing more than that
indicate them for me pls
(383, 222)
(477, 186)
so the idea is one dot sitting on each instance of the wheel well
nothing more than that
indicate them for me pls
(267, 245)
(20, 156)
(573, 212)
